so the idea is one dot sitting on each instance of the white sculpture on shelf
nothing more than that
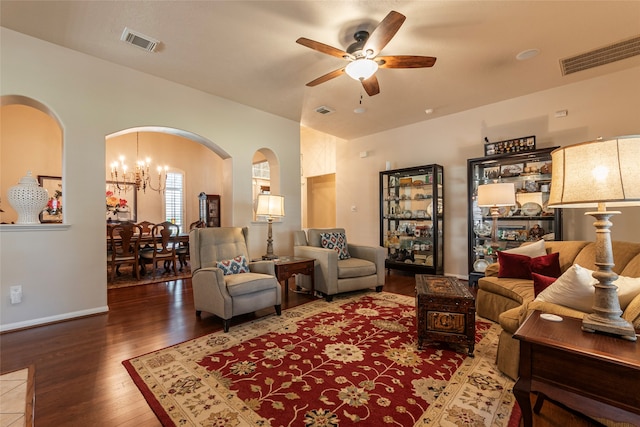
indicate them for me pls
(28, 199)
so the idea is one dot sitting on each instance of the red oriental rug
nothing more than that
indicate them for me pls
(353, 361)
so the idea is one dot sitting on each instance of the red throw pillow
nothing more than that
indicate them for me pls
(547, 265)
(514, 265)
(540, 282)
(518, 266)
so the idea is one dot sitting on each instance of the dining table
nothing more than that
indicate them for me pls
(147, 239)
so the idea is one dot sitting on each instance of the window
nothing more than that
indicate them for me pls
(173, 199)
(261, 170)
(261, 175)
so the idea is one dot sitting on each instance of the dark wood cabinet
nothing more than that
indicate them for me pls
(445, 310)
(594, 374)
(212, 210)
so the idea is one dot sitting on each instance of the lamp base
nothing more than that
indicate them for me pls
(618, 327)
(606, 314)
(269, 257)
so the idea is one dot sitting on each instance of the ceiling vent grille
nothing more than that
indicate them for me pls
(139, 40)
(324, 110)
(604, 55)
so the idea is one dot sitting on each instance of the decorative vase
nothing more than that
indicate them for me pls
(28, 199)
(123, 216)
(111, 215)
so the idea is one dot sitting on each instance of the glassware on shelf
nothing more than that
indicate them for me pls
(482, 229)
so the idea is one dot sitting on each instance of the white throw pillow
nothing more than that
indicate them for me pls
(574, 289)
(628, 289)
(532, 250)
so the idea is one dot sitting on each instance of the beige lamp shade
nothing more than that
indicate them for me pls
(498, 194)
(589, 173)
(270, 205)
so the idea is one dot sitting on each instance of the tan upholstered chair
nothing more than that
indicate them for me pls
(233, 294)
(364, 269)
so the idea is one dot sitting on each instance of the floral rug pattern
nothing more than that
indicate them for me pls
(353, 361)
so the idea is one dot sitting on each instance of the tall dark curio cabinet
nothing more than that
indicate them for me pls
(412, 218)
(529, 220)
(210, 209)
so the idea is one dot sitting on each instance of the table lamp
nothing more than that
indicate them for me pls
(270, 206)
(495, 196)
(600, 174)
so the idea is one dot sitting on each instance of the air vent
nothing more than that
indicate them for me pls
(139, 40)
(604, 55)
(324, 110)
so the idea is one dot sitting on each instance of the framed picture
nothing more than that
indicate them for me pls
(517, 145)
(53, 211)
(125, 202)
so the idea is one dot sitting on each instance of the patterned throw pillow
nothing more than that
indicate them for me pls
(236, 265)
(337, 242)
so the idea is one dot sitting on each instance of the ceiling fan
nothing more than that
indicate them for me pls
(362, 55)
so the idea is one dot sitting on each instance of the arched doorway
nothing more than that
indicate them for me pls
(198, 162)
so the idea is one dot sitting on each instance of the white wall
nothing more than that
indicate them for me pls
(62, 268)
(604, 106)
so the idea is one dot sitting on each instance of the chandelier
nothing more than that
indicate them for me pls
(139, 178)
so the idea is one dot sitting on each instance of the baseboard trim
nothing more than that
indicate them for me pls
(53, 319)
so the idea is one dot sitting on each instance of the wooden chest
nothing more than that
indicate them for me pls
(446, 311)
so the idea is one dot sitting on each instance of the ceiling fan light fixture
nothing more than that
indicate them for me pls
(361, 69)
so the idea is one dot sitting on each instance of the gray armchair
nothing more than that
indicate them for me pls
(363, 270)
(233, 294)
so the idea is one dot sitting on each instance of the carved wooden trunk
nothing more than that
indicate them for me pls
(446, 311)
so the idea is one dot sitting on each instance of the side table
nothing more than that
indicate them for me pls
(446, 311)
(595, 374)
(287, 267)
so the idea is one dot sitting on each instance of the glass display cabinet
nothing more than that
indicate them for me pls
(529, 220)
(412, 218)
(210, 209)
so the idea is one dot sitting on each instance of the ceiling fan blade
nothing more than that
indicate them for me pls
(324, 48)
(371, 85)
(383, 33)
(405, 61)
(326, 77)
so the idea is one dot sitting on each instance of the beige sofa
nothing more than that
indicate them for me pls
(509, 301)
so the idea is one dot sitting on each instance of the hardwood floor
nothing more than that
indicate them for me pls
(79, 377)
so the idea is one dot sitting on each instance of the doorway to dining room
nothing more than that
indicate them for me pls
(188, 167)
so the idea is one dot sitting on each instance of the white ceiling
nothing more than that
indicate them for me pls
(245, 51)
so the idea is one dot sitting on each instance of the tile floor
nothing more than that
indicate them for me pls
(13, 398)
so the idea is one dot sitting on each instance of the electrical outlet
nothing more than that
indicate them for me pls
(15, 293)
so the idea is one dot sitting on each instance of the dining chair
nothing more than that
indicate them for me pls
(146, 227)
(163, 246)
(124, 241)
(146, 241)
(182, 251)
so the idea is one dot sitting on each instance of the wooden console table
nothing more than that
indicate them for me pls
(287, 267)
(595, 374)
